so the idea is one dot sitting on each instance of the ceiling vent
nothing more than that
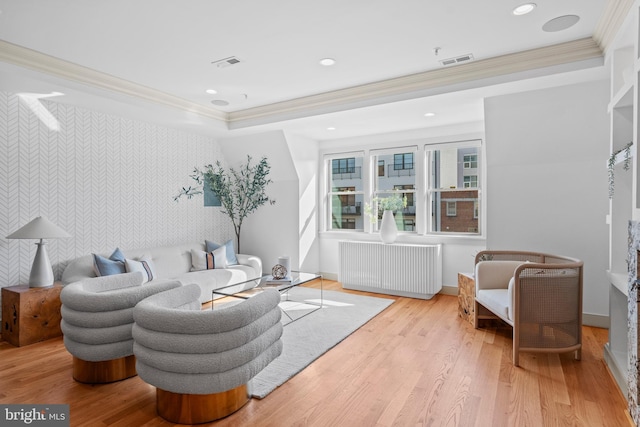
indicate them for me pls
(226, 62)
(457, 60)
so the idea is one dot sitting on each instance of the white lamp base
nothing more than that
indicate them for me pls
(41, 272)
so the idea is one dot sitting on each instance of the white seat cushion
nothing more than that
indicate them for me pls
(497, 301)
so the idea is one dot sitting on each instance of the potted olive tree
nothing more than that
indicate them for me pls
(240, 191)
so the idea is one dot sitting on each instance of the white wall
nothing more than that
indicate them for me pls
(106, 180)
(271, 231)
(547, 180)
(304, 153)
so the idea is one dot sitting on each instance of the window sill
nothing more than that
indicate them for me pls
(404, 237)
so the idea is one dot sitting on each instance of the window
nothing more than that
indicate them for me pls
(471, 161)
(403, 161)
(398, 181)
(451, 208)
(409, 225)
(347, 199)
(348, 224)
(453, 187)
(471, 181)
(441, 183)
(409, 195)
(342, 166)
(346, 193)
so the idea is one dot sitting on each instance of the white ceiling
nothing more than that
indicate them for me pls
(169, 46)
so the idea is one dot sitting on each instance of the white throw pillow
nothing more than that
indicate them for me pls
(143, 265)
(201, 260)
(220, 257)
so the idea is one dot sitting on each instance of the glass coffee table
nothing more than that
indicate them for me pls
(290, 306)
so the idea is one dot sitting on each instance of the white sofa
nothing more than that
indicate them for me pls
(174, 263)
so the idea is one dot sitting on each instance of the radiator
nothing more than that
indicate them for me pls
(397, 269)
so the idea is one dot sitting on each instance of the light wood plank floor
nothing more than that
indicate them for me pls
(417, 363)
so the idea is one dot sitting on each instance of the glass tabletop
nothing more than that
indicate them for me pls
(244, 290)
(296, 278)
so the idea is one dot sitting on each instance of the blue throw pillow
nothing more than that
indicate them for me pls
(231, 253)
(108, 266)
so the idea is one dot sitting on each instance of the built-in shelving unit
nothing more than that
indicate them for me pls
(624, 206)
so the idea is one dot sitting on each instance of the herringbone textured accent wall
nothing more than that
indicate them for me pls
(106, 180)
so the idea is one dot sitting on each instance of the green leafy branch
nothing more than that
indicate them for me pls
(393, 203)
(240, 191)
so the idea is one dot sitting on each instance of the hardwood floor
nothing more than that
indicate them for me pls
(417, 363)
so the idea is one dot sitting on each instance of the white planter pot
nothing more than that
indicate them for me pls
(388, 228)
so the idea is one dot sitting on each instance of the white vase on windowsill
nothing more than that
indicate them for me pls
(388, 227)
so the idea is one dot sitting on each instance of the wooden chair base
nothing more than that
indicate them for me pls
(199, 408)
(107, 371)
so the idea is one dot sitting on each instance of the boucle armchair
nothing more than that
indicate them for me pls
(539, 295)
(201, 361)
(97, 318)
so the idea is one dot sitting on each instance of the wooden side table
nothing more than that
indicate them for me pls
(30, 315)
(466, 297)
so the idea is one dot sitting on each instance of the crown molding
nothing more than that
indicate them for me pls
(611, 21)
(564, 53)
(37, 61)
(549, 56)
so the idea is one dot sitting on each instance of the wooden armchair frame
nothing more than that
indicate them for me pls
(546, 300)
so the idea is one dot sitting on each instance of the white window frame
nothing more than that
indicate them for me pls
(467, 163)
(431, 192)
(452, 208)
(422, 196)
(328, 204)
(468, 184)
(374, 157)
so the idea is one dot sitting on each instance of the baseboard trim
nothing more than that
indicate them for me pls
(329, 276)
(618, 374)
(393, 292)
(449, 290)
(595, 320)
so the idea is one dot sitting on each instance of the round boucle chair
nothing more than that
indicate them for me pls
(97, 318)
(201, 361)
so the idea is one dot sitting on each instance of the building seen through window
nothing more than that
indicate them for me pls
(450, 202)
(454, 190)
(344, 166)
(346, 195)
(399, 180)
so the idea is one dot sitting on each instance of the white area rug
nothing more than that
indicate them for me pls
(308, 338)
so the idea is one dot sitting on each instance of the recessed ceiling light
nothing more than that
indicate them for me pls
(560, 23)
(327, 62)
(429, 114)
(211, 91)
(523, 9)
(220, 102)
(331, 128)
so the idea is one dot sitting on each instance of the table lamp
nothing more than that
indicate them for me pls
(40, 228)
